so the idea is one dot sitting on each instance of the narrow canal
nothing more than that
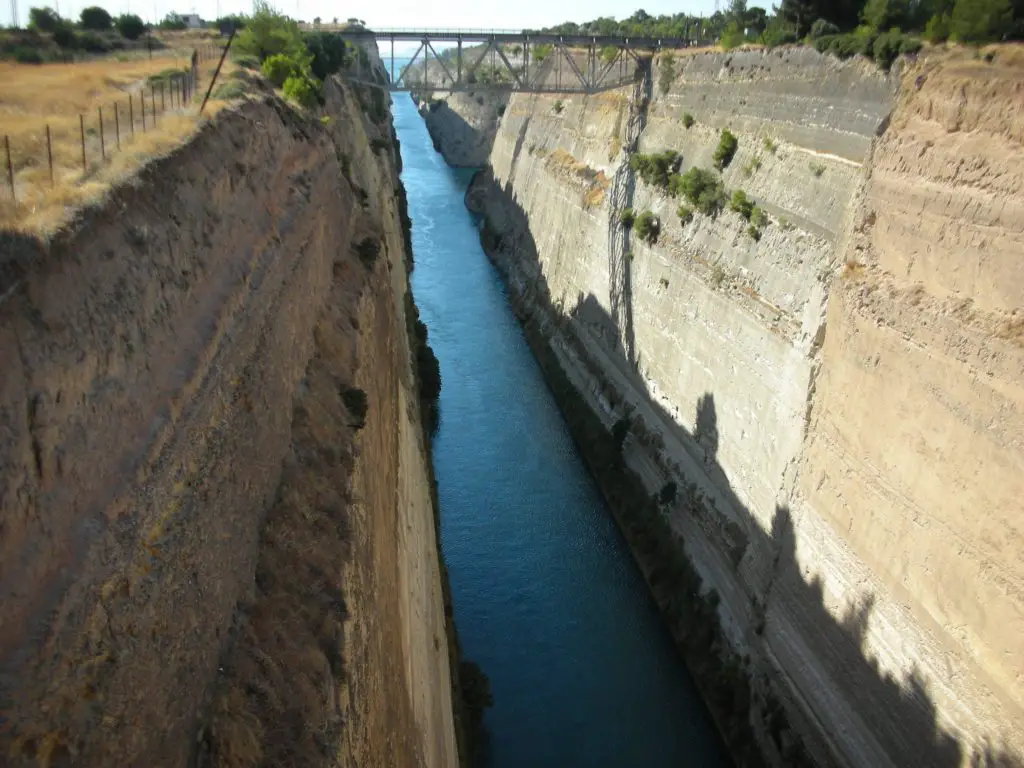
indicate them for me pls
(546, 597)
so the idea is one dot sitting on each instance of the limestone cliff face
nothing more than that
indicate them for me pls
(840, 402)
(217, 539)
(463, 125)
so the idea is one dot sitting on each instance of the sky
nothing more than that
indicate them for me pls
(476, 14)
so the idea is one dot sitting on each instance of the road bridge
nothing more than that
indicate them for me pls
(523, 60)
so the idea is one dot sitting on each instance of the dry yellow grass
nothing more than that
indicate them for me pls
(32, 97)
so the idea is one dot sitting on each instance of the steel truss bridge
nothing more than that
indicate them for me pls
(539, 63)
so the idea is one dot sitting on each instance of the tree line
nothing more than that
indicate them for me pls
(966, 21)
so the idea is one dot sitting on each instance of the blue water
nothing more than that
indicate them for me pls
(546, 597)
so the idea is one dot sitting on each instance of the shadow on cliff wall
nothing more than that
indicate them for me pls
(898, 714)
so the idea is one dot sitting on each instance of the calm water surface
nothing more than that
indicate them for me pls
(546, 597)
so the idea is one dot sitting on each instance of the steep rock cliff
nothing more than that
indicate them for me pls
(463, 125)
(217, 540)
(838, 399)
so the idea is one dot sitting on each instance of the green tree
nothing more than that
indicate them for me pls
(44, 19)
(329, 51)
(278, 68)
(885, 14)
(268, 33)
(130, 26)
(980, 21)
(173, 21)
(96, 18)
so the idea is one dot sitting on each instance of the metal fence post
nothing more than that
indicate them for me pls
(117, 126)
(142, 108)
(81, 130)
(152, 102)
(163, 100)
(10, 168)
(49, 152)
(103, 146)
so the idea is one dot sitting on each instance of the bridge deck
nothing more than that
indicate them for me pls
(504, 36)
(577, 63)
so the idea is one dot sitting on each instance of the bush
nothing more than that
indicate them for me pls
(93, 43)
(647, 227)
(938, 28)
(247, 62)
(656, 169)
(887, 46)
(96, 18)
(910, 45)
(732, 36)
(368, 250)
(758, 217)
(817, 169)
(703, 189)
(302, 90)
(627, 217)
(668, 493)
(27, 56)
(44, 20)
(65, 37)
(227, 91)
(165, 75)
(726, 149)
(357, 404)
(778, 33)
(740, 203)
(685, 214)
(130, 26)
(822, 27)
(279, 67)
(688, 120)
(769, 144)
(754, 232)
(558, 106)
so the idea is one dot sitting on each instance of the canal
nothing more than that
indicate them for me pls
(547, 599)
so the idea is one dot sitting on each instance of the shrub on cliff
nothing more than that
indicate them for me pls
(627, 217)
(703, 189)
(685, 215)
(688, 120)
(278, 68)
(741, 204)
(303, 90)
(647, 227)
(368, 249)
(726, 149)
(656, 169)
(356, 402)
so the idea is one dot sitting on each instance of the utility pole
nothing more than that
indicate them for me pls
(14, 14)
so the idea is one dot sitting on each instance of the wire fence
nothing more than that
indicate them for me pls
(104, 132)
